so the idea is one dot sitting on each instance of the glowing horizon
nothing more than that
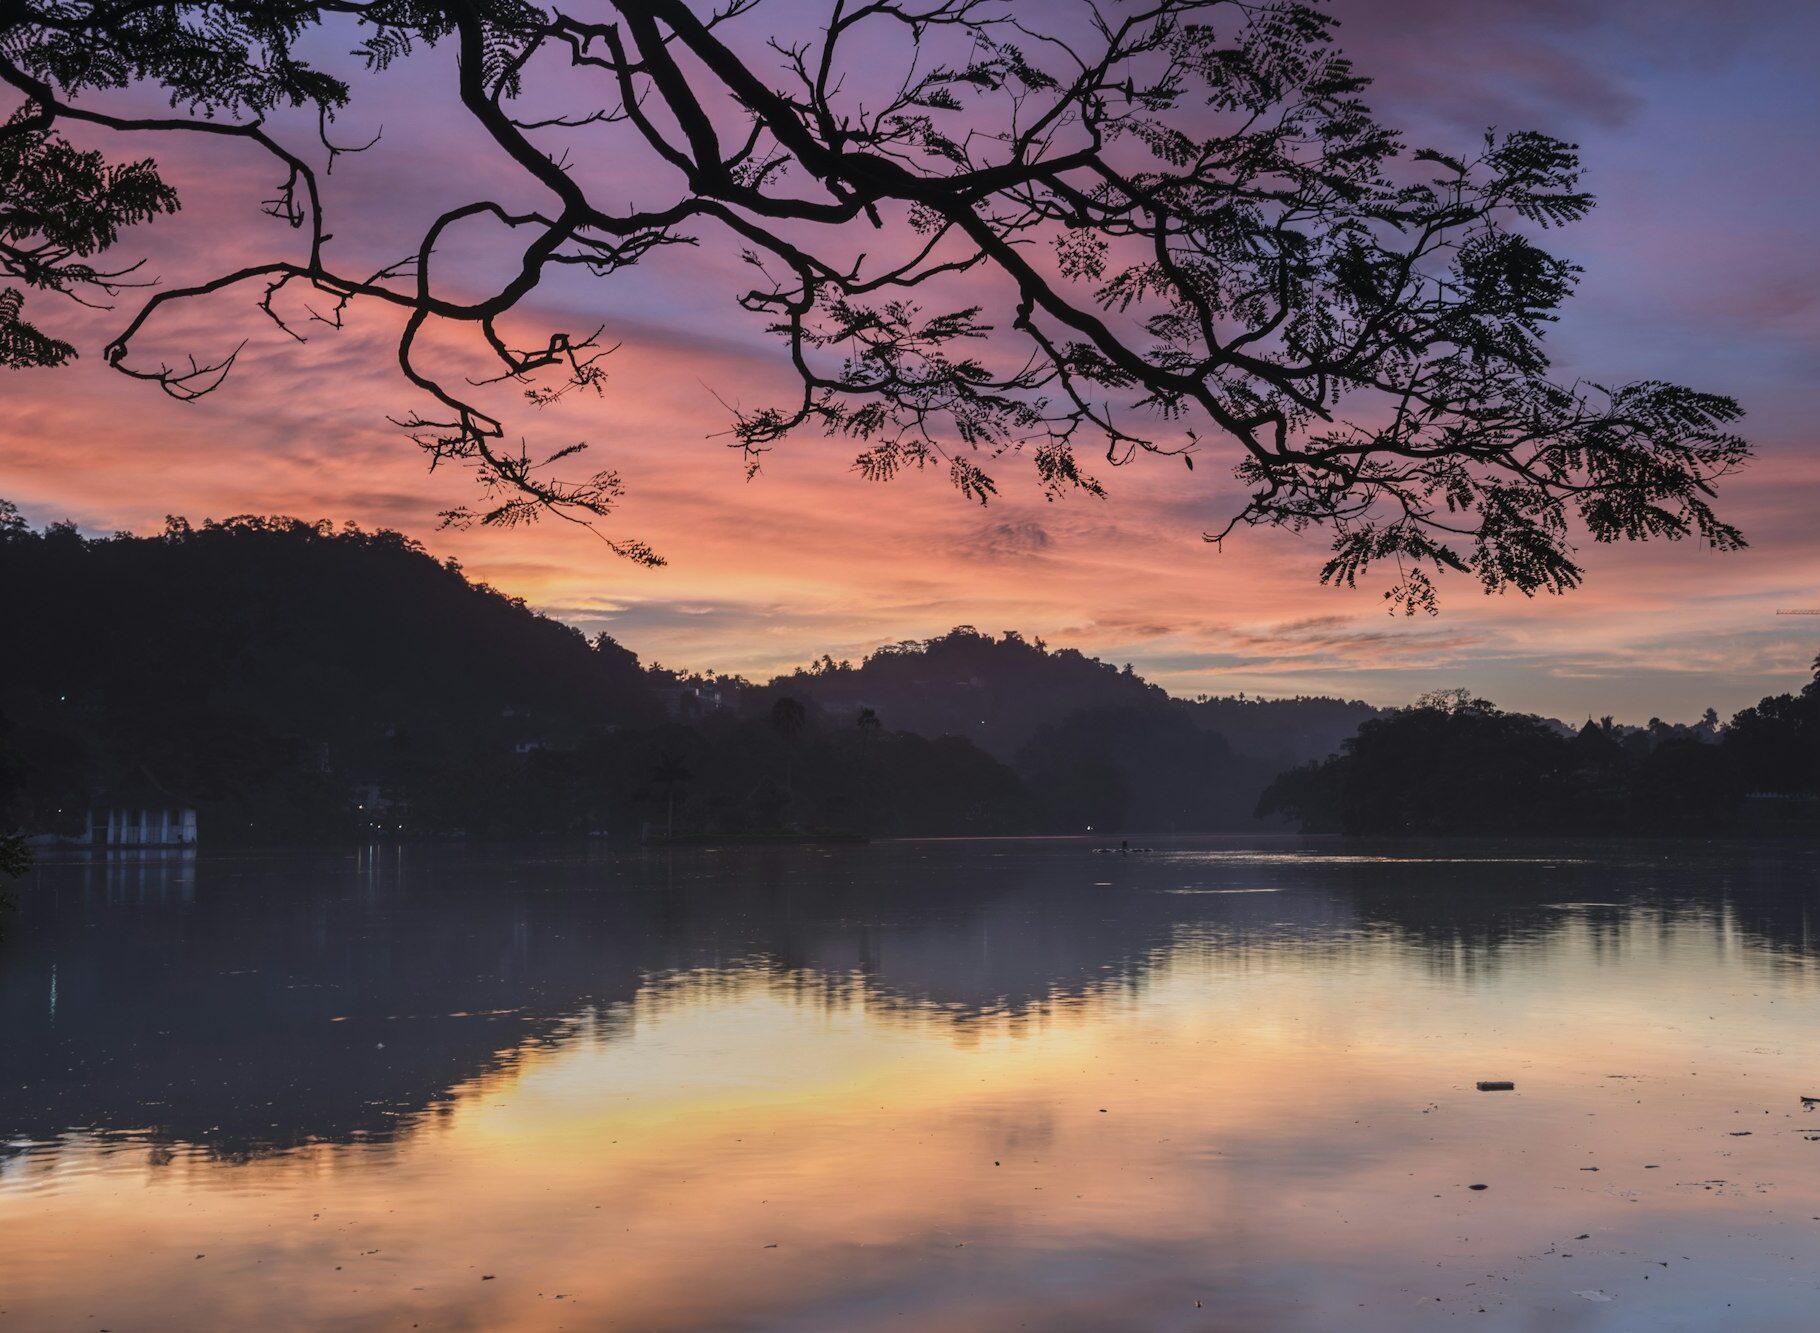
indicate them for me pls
(1697, 269)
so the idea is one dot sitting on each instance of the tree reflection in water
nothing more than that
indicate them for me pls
(470, 1056)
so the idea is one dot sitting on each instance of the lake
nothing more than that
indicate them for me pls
(1225, 1085)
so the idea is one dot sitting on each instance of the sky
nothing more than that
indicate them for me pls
(1697, 125)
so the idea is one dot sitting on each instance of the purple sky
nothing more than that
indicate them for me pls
(1699, 126)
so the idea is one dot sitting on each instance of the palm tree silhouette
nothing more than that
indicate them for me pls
(788, 718)
(869, 728)
(670, 775)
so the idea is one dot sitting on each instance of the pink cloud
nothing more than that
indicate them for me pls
(810, 558)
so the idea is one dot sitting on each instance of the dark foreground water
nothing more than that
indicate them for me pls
(957, 1086)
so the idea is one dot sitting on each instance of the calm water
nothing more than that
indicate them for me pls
(916, 1086)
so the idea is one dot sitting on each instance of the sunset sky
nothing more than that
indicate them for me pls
(1698, 125)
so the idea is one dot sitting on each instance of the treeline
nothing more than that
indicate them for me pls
(296, 681)
(1453, 764)
(299, 681)
(1097, 746)
(1002, 692)
(257, 668)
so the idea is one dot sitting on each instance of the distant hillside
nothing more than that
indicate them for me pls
(1283, 732)
(296, 680)
(1454, 764)
(1099, 745)
(1000, 692)
(265, 664)
(996, 692)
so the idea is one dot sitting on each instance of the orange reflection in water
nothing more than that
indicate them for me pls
(1268, 1136)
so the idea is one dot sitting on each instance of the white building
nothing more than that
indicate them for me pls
(141, 828)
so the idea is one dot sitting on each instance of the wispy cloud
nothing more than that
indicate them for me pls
(1696, 122)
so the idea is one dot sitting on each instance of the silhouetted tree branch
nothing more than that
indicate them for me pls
(1113, 229)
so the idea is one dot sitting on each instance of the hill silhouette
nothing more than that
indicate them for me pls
(263, 664)
(1099, 746)
(1454, 764)
(1002, 692)
(297, 680)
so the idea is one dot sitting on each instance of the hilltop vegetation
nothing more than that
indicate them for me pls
(1456, 764)
(1098, 746)
(255, 668)
(295, 680)
(1002, 693)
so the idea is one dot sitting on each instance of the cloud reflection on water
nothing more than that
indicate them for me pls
(620, 1080)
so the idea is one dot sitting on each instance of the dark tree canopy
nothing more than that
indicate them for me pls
(1076, 233)
(1454, 764)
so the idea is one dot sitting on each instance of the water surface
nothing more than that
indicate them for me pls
(968, 1086)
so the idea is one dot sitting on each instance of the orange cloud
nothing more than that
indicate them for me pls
(809, 558)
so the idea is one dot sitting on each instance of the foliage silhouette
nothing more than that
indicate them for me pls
(60, 207)
(1000, 692)
(15, 852)
(255, 667)
(281, 675)
(671, 777)
(1453, 764)
(292, 681)
(788, 717)
(1155, 229)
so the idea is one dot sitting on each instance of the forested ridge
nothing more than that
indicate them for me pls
(301, 681)
(296, 680)
(1453, 763)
